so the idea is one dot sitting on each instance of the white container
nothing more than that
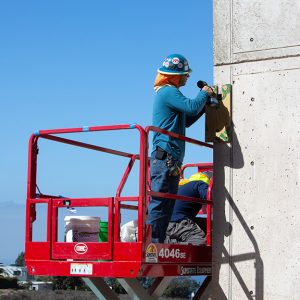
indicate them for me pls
(81, 228)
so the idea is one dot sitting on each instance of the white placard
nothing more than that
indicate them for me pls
(81, 269)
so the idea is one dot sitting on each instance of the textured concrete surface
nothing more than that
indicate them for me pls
(257, 185)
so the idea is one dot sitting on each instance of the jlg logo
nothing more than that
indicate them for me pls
(80, 248)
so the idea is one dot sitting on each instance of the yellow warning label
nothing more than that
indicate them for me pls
(151, 253)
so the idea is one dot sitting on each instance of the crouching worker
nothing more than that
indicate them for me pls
(183, 227)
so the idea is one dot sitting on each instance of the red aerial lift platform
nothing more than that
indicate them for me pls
(114, 258)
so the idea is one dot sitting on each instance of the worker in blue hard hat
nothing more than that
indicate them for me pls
(183, 227)
(174, 112)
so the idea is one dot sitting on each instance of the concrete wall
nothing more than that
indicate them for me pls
(257, 187)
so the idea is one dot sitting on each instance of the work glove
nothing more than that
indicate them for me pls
(213, 100)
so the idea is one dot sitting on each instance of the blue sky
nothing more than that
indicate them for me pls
(78, 63)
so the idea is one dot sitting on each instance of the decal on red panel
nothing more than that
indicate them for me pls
(167, 253)
(194, 270)
(81, 248)
(151, 253)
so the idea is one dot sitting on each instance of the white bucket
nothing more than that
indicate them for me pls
(81, 228)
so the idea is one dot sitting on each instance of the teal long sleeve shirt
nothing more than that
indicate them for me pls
(174, 112)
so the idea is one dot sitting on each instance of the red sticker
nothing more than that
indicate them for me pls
(175, 60)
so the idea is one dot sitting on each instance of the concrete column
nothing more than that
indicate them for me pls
(257, 178)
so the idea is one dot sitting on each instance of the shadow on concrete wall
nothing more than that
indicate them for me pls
(222, 228)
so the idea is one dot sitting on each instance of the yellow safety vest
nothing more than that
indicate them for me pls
(195, 177)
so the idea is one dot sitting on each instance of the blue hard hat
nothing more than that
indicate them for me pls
(175, 64)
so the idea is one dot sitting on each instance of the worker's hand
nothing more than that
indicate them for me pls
(208, 90)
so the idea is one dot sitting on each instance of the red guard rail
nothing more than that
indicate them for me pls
(42, 256)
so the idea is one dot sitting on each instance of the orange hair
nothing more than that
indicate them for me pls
(163, 79)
